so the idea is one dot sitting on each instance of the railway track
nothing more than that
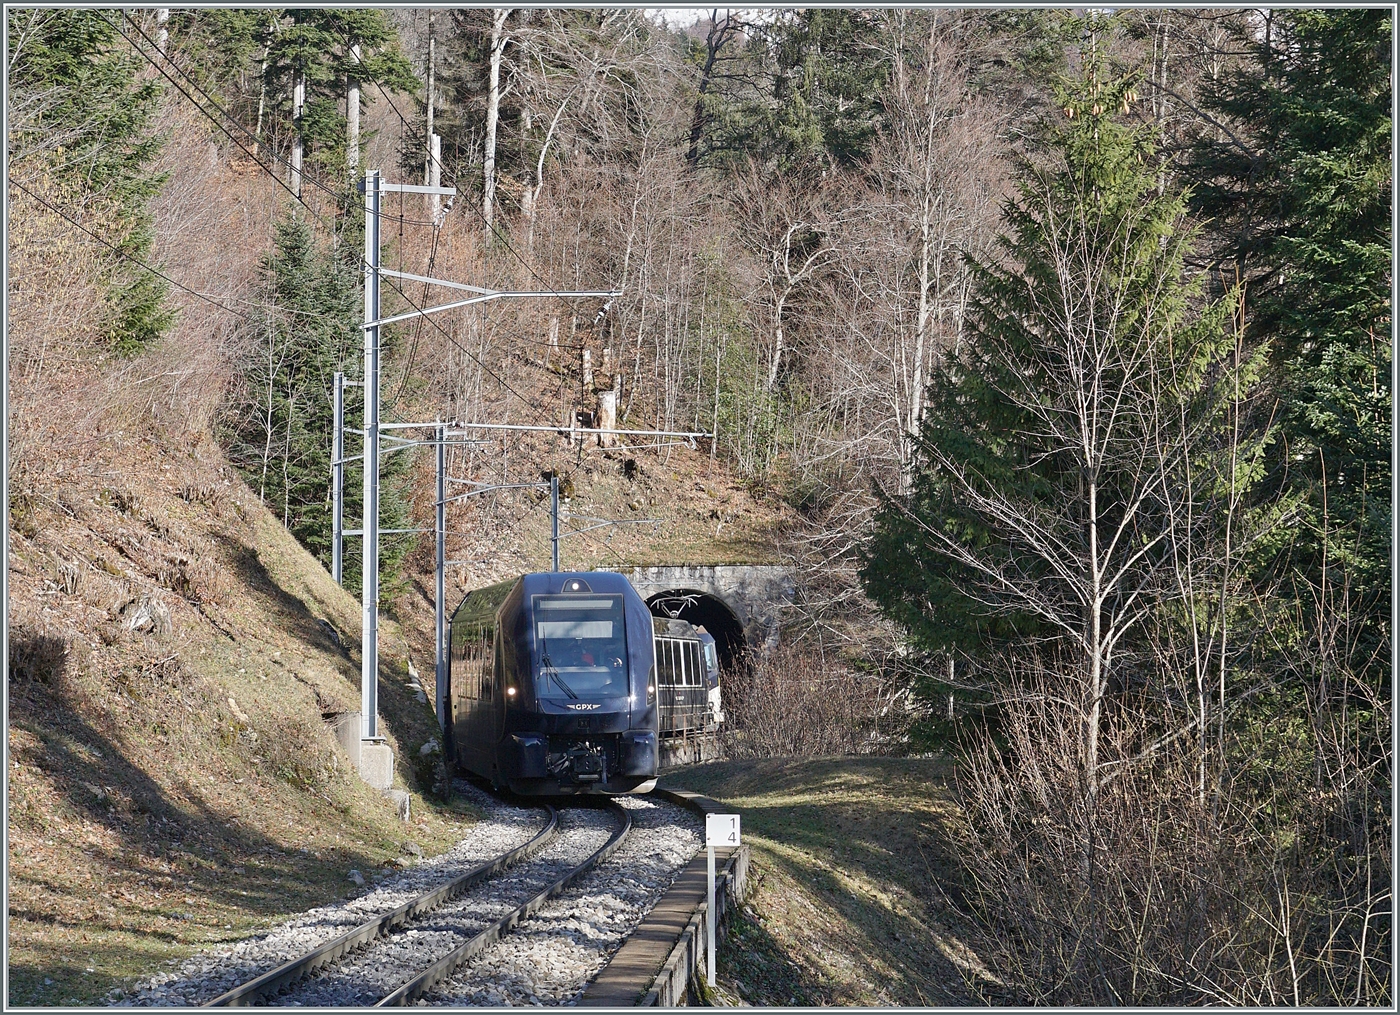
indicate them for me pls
(395, 957)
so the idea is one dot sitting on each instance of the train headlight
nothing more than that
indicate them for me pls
(510, 692)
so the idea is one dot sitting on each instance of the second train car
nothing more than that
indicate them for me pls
(687, 678)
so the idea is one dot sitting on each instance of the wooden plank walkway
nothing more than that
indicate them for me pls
(630, 974)
(628, 979)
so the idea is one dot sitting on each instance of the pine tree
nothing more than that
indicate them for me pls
(1043, 515)
(1299, 193)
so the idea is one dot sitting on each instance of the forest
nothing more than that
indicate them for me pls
(1062, 341)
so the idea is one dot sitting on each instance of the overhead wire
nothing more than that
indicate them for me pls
(336, 195)
(480, 213)
(297, 197)
(132, 258)
(514, 522)
(403, 125)
(201, 296)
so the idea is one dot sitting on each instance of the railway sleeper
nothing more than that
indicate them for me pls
(444, 967)
(283, 978)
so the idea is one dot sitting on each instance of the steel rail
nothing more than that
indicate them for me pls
(275, 980)
(468, 950)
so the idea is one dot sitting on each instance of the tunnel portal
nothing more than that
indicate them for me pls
(741, 605)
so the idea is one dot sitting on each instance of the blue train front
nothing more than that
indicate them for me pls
(553, 686)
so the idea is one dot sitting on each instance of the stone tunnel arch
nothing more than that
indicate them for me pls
(707, 611)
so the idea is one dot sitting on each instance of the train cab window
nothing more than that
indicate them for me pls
(711, 662)
(580, 645)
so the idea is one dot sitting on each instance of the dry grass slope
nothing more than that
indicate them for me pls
(172, 782)
(851, 864)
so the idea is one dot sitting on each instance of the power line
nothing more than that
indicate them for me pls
(134, 260)
(214, 102)
(516, 521)
(330, 228)
(317, 183)
(403, 124)
(479, 212)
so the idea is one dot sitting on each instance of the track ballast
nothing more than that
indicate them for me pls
(587, 885)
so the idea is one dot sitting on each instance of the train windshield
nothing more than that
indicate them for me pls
(582, 646)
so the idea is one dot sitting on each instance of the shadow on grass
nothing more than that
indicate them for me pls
(753, 963)
(245, 563)
(172, 848)
(841, 828)
(411, 722)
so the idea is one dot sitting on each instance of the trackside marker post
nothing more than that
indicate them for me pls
(720, 830)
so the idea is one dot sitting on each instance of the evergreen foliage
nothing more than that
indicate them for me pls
(254, 58)
(77, 105)
(316, 44)
(1092, 378)
(279, 433)
(220, 46)
(828, 88)
(804, 92)
(1299, 193)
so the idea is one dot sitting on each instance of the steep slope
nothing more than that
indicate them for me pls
(171, 779)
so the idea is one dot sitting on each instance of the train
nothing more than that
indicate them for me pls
(563, 683)
(687, 677)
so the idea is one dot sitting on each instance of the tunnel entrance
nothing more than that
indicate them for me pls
(705, 611)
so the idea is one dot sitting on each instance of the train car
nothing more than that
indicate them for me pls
(552, 685)
(687, 678)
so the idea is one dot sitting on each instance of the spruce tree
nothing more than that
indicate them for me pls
(1044, 508)
(1298, 192)
(317, 44)
(278, 433)
(78, 106)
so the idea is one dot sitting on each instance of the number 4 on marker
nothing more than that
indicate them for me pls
(721, 829)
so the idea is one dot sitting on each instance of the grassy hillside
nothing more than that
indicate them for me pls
(172, 783)
(850, 869)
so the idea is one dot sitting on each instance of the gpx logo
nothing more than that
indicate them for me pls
(584, 706)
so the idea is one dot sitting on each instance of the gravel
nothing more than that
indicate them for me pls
(208, 974)
(547, 960)
(551, 957)
(384, 965)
